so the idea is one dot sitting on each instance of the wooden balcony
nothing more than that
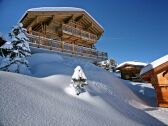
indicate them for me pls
(61, 46)
(79, 33)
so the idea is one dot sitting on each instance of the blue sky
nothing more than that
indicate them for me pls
(134, 29)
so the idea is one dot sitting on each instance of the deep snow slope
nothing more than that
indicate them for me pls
(45, 99)
(146, 92)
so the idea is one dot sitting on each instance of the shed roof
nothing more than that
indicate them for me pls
(133, 63)
(154, 64)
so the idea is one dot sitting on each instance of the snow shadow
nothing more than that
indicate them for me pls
(150, 109)
(134, 113)
(147, 94)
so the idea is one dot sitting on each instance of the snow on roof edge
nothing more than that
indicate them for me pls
(20, 19)
(60, 9)
(131, 63)
(154, 64)
(55, 9)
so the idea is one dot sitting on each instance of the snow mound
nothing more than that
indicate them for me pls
(48, 100)
(41, 58)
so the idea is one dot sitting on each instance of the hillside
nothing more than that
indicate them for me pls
(44, 98)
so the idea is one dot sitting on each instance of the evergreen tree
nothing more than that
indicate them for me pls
(78, 80)
(2, 40)
(19, 49)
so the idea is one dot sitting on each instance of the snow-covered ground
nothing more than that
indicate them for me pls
(146, 92)
(45, 99)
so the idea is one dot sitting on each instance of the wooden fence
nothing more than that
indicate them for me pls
(61, 46)
(79, 33)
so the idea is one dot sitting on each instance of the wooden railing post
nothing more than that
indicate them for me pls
(70, 48)
(78, 32)
(62, 46)
(38, 42)
(50, 44)
(73, 48)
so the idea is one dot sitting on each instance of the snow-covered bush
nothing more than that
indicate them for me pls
(18, 49)
(78, 80)
(109, 65)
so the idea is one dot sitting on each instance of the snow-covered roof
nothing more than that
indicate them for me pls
(56, 9)
(154, 64)
(60, 9)
(131, 63)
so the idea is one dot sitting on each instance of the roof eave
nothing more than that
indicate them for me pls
(80, 10)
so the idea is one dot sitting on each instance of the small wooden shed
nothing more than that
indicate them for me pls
(156, 73)
(130, 70)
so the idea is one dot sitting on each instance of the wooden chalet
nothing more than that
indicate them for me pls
(130, 70)
(156, 73)
(64, 29)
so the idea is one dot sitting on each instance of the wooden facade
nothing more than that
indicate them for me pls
(130, 71)
(158, 77)
(73, 27)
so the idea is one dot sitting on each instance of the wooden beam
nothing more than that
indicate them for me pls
(39, 19)
(36, 27)
(88, 26)
(50, 19)
(67, 20)
(33, 22)
(77, 19)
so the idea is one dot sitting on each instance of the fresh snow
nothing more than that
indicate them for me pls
(7, 45)
(78, 73)
(154, 64)
(146, 92)
(131, 63)
(45, 99)
(61, 9)
(55, 9)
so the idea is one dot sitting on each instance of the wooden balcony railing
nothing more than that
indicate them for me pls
(78, 33)
(61, 46)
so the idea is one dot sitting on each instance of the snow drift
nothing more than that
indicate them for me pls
(42, 99)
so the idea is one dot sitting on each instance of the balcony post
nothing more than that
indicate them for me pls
(73, 48)
(39, 42)
(51, 44)
(62, 45)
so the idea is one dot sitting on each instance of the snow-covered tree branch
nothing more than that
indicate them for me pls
(18, 48)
